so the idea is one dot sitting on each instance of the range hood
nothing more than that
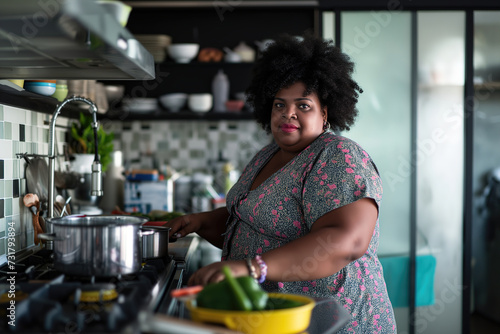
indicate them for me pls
(68, 39)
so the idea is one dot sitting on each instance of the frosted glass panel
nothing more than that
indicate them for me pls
(381, 49)
(486, 165)
(440, 162)
(328, 25)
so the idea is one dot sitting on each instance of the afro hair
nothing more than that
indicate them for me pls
(317, 63)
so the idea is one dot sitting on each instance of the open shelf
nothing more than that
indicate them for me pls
(35, 102)
(160, 114)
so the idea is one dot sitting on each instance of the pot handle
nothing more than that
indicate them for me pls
(50, 237)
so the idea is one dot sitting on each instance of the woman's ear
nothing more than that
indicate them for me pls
(325, 113)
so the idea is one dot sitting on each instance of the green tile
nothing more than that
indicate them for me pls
(162, 145)
(2, 246)
(7, 130)
(16, 170)
(34, 133)
(8, 207)
(8, 188)
(45, 138)
(1, 131)
(196, 154)
(173, 154)
(34, 119)
(1, 113)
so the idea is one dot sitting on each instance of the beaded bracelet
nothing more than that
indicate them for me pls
(263, 269)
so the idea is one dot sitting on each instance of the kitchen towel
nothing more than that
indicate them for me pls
(397, 279)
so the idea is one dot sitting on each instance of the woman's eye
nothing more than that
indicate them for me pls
(279, 105)
(303, 106)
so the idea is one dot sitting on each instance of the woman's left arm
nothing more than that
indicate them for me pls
(336, 239)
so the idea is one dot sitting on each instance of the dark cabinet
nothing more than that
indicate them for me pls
(209, 26)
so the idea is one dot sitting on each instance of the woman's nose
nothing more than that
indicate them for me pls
(289, 112)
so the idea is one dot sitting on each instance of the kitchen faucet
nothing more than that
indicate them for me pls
(96, 187)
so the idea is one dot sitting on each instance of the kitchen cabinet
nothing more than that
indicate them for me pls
(209, 26)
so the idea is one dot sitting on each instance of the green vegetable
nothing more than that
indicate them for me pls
(274, 303)
(243, 302)
(220, 296)
(257, 296)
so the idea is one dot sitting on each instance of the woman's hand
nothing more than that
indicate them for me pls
(183, 225)
(212, 273)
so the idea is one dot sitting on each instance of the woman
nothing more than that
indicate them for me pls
(303, 217)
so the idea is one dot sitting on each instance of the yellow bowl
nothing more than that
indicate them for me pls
(282, 321)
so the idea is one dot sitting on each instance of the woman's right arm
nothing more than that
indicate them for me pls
(210, 225)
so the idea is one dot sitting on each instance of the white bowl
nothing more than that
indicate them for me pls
(173, 101)
(201, 102)
(183, 52)
(139, 104)
(114, 93)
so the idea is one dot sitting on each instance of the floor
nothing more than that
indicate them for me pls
(481, 325)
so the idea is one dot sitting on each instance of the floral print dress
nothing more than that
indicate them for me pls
(331, 172)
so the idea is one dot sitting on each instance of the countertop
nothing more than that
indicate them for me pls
(328, 315)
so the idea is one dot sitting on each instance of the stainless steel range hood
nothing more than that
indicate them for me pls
(68, 39)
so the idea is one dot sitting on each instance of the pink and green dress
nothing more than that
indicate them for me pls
(331, 172)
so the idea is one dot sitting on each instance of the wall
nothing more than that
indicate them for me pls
(21, 131)
(187, 146)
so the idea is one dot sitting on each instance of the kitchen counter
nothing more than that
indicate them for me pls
(327, 318)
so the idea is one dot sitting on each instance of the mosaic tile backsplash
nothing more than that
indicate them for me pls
(185, 146)
(21, 131)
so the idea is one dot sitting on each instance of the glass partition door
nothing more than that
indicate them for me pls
(411, 122)
(486, 166)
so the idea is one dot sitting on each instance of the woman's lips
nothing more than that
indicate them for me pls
(288, 127)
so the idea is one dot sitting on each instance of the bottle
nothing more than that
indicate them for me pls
(220, 91)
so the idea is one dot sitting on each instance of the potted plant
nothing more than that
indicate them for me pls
(82, 141)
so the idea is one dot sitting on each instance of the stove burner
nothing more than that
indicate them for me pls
(97, 293)
(19, 296)
(47, 300)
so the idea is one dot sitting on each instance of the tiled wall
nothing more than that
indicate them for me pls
(21, 131)
(187, 146)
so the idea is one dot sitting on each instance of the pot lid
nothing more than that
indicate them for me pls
(97, 220)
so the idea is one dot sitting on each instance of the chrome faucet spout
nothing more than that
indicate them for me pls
(96, 165)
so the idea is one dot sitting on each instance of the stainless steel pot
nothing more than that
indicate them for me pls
(154, 241)
(103, 246)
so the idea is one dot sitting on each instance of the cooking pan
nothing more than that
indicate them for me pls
(154, 241)
(102, 246)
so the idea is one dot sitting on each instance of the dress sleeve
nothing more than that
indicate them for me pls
(341, 174)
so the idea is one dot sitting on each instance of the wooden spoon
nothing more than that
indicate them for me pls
(32, 202)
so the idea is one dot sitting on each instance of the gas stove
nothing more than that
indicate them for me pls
(36, 298)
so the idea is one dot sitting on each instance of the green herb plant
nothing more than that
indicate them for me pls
(82, 140)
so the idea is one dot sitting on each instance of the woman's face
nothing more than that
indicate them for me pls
(296, 120)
